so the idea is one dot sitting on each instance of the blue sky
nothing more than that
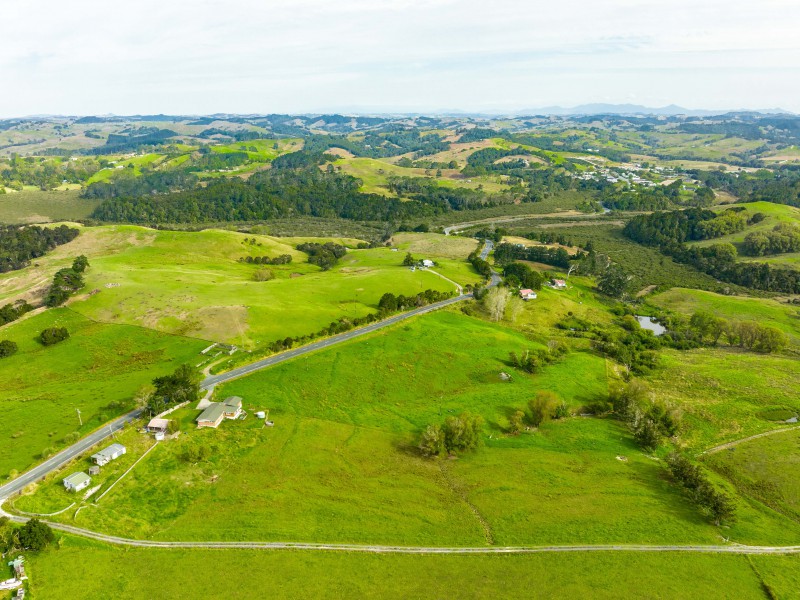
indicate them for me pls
(248, 56)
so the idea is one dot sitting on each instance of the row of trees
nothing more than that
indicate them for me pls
(457, 434)
(20, 244)
(691, 477)
(66, 282)
(390, 303)
(282, 259)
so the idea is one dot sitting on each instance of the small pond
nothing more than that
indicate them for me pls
(651, 325)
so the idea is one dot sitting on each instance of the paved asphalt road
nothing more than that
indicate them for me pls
(98, 436)
(66, 455)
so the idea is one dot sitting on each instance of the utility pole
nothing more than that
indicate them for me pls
(79, 416)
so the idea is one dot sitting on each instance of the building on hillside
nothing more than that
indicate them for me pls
(427, 263)
(77, 481)
(558, 284)
(158, 426)
(233, 407)
(106, 455)
(212, 416)
(527, 294)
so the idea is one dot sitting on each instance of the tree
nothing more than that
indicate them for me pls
(7, 348)
(540, 408)
(409, 260)
(80, 264)
(463, 432)
(647, 434)
(516, 422)
(388, 303)
(514, 308)
(495, 302)
(35, 535)
(432, 441)
(182, 386)
(613, 282)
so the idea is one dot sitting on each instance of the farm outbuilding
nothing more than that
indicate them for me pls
(77, 481)
(158, 425)
(106, 455)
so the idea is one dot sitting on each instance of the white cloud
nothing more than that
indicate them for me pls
(253, 56)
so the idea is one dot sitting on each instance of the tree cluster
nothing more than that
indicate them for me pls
(127, 185)
(12, 312)
(531, 361)
(390, 303)
(20, 244)
(181, 386)
(784, 237)
(33, 536)
(650, 421)
(324, 255)
(521, 275)
(458, 434)
(558, 257)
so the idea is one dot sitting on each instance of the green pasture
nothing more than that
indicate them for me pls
(97, 370)
(340, 464)
(106, 572)
(766, 311)
(35, 206)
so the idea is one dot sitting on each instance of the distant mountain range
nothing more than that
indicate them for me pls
(637, 109)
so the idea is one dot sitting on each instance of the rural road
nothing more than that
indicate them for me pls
(79, 447)
(382, 549)
(66, 455)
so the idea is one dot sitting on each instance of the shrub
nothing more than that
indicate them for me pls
(263, 275)
(7, 348)
(53, 335)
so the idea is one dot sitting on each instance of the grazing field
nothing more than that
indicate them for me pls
(105, 572)
(192, 283)
(97, 370)
(766, 468)
(44, 207)
(774, 213)
(726, 394)
(340, 465)
(141, 573)
(375, 174)
(785, 317)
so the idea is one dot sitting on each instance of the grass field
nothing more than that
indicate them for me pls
(340, 463)
(785, 317)
(375, 173)
(44, 207)
(97, 370)
(775, 213)
(104, 572)
(766, 468)
(191, 283)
